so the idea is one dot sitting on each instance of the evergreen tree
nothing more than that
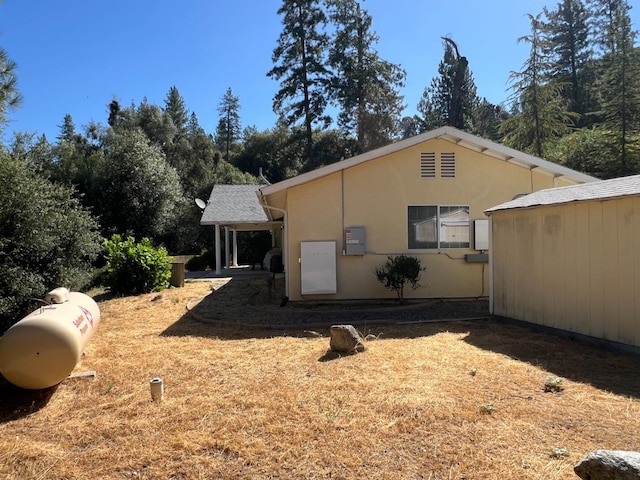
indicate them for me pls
(10, 97)
(607, 20)
(67, 129)
(618, 83)
(228, 132)
(300, 67)
(451, 97)
(567, 31)
(541, 114)
(175, 107)
(193, 127)
(486, 119)
(364, 86)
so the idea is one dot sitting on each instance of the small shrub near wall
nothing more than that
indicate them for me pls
(397, 272)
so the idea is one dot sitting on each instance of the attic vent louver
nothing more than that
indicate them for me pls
(428, 165)
(448, 165)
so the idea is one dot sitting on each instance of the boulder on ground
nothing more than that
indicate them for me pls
(609, 465)
(345, 338)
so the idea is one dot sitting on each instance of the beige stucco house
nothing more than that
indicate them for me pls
(569, 259)
(425, 196)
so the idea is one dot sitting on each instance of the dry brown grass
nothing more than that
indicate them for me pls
(456, 400)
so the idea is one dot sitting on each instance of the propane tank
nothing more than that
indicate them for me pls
(43, 348)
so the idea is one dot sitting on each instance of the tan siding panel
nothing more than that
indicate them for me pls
(551, 262)
(625, 248)
(569, 269)
(611, 292)
(503, 235)
(596, 257)
(582, 313)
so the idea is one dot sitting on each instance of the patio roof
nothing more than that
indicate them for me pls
(236, 207)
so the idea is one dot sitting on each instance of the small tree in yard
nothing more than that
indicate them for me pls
(398, 271)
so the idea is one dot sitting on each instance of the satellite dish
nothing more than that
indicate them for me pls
(200, 203)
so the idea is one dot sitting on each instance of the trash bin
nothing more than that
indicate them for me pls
(177, 274)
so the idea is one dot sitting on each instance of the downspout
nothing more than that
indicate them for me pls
(285, 241)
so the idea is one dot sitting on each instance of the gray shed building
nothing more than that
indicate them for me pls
(568, 258)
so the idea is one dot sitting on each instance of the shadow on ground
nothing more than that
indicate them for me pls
(244, 311)
(18, 402)
(605, 369)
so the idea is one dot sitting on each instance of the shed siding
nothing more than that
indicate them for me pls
(574, 267)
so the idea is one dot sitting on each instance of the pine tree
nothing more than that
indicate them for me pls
(175, 107)
(618, 83)
(67, 129)
(451, 97)
(229, 131)
(567, 32)
(10, 97)
(364, 86)
(541, 114)
(300, 67)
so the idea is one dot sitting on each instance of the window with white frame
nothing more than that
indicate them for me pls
(438, 226)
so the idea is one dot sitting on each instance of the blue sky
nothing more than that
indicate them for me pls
(75, 56)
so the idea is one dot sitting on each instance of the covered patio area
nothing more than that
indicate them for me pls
(232, 209)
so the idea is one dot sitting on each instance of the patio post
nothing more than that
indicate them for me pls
(226, 247)
(234, 262)
(218, 253)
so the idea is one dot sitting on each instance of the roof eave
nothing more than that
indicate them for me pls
(452, 135)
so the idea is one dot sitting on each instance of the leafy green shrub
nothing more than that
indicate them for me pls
(134, 268)
(398, 271)
(47, 239)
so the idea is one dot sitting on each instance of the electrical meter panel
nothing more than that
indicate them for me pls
(355, 241)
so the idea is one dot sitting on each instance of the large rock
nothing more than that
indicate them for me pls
(345, 338)
(609, 465)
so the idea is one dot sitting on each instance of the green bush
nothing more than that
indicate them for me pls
(134, 268)
(47, 239)
(397, 272)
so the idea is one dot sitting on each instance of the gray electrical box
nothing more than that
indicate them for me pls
(355, 241)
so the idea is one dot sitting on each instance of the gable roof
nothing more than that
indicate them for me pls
(602, 190)
(450, 134)
(234, 205)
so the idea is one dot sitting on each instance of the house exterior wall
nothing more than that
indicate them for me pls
(574, 267)
(376, 195)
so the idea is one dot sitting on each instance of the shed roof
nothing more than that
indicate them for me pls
(234, 205)
(452, 135)
(601, 190)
